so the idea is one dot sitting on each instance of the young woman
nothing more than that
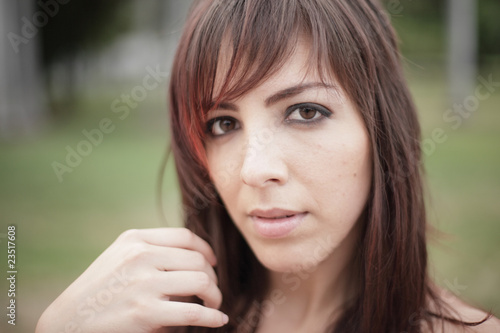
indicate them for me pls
(297, 150)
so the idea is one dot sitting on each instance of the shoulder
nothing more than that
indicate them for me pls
(462, 311)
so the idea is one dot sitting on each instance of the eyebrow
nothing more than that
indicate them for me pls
(281, 95)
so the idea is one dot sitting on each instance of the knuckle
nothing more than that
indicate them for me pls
(139, 310)
(203, 281)
(137, 251)
(130, 234)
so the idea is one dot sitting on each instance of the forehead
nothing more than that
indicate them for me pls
(296, 67)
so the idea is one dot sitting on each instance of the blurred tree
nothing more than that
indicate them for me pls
(75, 28)
(489, 29)
(82, 25)
(38, 33)
(47, 34)
(422, 24)
(461, 33)
(21, 105)
(419, 25)
(462, 48)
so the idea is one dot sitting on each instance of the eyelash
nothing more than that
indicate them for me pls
(324, 113)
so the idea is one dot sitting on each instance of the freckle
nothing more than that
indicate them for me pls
(355, 174)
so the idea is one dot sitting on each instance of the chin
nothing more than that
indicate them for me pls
(280, 264)
(292, 255)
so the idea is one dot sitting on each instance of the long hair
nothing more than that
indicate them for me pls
(354, 42)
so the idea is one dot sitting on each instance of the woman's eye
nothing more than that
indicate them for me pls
(222, 125)
(307, 113)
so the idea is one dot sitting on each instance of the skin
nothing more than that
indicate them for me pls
(273, 157)
(153, 267)
(264, 161)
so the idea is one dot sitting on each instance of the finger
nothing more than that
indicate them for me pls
(186, 283)
(187, 314)
(176, 259)
(172, 237)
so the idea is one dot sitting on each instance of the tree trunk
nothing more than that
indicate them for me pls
(22, 108)
(462, 48)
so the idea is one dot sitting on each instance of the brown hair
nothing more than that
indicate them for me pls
(355, 42)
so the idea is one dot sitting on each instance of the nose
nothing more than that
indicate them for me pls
(264, 164)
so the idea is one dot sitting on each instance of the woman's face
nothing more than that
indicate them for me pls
(291, 161)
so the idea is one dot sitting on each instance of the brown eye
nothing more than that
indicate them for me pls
(307, 113)
(226, 125)
(222, 125)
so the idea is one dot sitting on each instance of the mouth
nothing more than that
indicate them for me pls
(275, 213)
(276, 223)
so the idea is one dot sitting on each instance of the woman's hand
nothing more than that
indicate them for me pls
(130, 287)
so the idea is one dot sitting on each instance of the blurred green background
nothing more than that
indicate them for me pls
(90, 54)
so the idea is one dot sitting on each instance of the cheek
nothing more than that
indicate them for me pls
(339, 176)
(224, 170)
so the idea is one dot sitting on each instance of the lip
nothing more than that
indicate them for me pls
(276, 222)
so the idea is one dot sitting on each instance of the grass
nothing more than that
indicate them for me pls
(463, 178)
(63, 226)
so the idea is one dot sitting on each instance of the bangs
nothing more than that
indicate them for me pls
(231, 46)
(239, 44)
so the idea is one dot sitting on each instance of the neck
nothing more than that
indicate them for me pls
(316, 292)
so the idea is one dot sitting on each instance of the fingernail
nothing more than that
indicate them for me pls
(225, 318)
